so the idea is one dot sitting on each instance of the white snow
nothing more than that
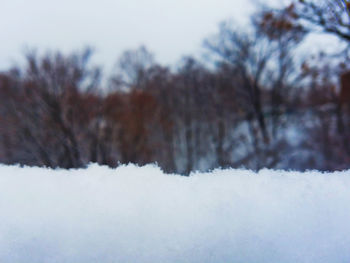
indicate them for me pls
(138, 214)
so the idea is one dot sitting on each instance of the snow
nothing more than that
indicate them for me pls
(139, 214)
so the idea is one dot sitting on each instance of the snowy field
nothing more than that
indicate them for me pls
(133, 214)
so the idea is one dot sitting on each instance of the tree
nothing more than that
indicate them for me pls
(331, 16)
(132, 68)
(50, 109)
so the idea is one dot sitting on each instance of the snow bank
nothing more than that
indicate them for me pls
(133, 214)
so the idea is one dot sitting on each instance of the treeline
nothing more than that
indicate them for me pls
(257, 104)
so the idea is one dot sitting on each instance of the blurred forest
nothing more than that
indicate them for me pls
(255, 103)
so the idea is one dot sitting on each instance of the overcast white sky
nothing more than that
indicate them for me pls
(169, 28)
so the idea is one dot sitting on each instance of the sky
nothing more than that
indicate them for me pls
(169, 28)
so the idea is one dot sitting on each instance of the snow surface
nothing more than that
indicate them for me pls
(138, 214)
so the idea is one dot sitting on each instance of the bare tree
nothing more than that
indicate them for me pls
(49, 107)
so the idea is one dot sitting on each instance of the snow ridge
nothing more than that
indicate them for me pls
(139, 214)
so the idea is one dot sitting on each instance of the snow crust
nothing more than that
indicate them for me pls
(139, 214)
